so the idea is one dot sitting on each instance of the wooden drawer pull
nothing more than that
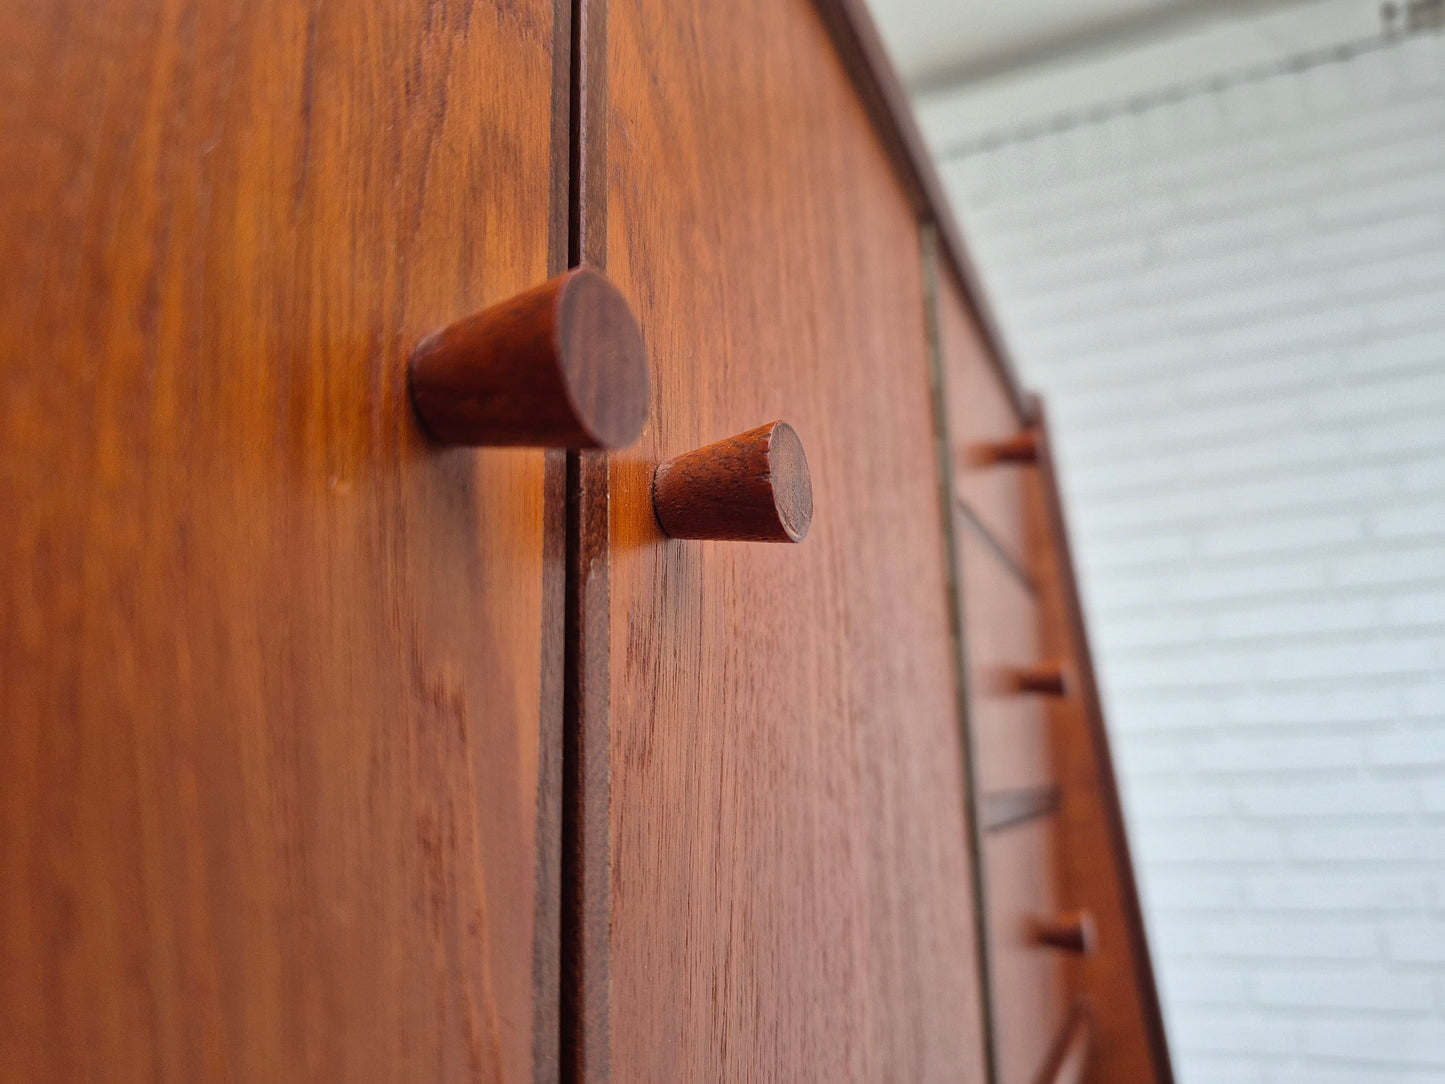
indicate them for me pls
(559, 366)
(1022, 448)
(1046, 679)
(1072, 931)
(753, 487)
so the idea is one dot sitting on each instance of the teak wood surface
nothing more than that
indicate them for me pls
(790, 890)
(280, 677)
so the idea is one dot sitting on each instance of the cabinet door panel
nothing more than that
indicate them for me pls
(1128, 1041)
(273, 719)
(790, 882)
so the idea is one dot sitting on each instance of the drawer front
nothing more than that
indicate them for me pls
(981, 417)
(1010, 727)
(1028, 979)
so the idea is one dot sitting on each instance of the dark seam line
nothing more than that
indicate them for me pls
(991, 540)
(1020, 806)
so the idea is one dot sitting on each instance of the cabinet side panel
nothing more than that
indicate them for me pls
(1117, 980)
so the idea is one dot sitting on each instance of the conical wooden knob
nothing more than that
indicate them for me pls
(1045, 679)
(1022, 448)
(560, 366)
(1071, 931)
(753, 487)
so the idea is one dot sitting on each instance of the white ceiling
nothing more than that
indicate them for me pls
(933, 39)
(980, 66)
(942, 43)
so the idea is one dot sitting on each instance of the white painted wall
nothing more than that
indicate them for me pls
(1235, 303)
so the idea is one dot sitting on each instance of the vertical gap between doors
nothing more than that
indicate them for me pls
(586, 862)
(547, 913)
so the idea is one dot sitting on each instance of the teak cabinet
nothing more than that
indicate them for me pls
(330, 750)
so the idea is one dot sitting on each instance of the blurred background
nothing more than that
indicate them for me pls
(1213, 234)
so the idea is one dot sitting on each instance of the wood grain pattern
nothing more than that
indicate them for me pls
(273, 722)
(1118, 981)
(791, 892)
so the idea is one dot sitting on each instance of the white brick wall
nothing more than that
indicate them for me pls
(1235, 302)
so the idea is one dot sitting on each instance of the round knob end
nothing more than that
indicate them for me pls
(559, 366)
(753, 487)
(1072, 931)
(1046, 679)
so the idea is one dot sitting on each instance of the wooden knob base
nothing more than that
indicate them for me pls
(1069, 931)
(1046, 679)
(559, 366)
(753, 487)
(1022, 449)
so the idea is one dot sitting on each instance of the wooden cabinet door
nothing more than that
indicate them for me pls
(280, 679)
(789, 880)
